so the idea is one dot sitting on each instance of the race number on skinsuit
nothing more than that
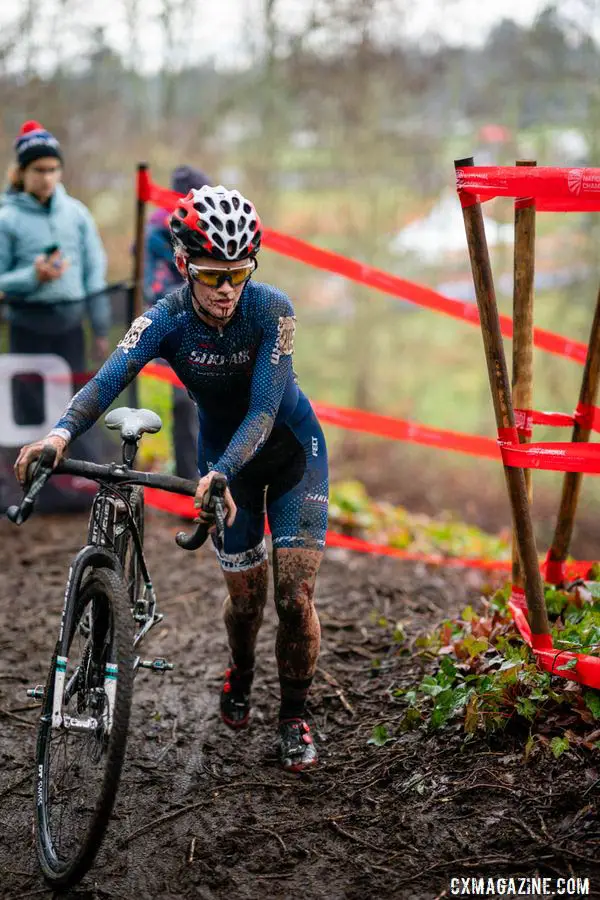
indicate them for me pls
(284, 346)
(134, 334)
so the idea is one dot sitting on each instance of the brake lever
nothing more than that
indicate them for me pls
(38, 474)
(215, 507)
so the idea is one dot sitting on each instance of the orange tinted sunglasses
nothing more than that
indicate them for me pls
(216, 277)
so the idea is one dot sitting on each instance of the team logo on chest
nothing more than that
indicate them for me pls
(210, 359)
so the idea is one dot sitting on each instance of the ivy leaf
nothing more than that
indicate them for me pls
(526, 708)
(474, 646)
(380, 736)
(529, 746)
(592, 701)
(447, 668)
(472, 715)
(558, 746)
(570, 664)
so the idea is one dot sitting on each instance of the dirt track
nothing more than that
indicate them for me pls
(204, 813)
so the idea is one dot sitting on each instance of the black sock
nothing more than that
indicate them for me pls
(241, 680)
(293, 697)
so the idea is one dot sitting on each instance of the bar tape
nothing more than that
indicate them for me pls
(553, 189)
(587, 668)
(376, 278)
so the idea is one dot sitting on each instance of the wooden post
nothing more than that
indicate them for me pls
(522, 369)
(503, 408)
(572, 480)
(136, 294)
(138, 253)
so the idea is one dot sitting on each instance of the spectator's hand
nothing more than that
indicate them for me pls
(30, 452)
(49, 268)
(203, 486)
(100, 350)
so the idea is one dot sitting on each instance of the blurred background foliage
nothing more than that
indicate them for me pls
(342, 126)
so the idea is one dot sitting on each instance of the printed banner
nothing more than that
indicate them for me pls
(552, 189)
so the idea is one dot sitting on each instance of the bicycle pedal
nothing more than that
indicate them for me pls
(36, 693)
(159, 664)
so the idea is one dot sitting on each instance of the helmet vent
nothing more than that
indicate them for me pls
(199, 207)
(219, 241)
(232, 248)
(241, 223)
(230, 227)
(226, 206)
(217, 222)
(247, 209)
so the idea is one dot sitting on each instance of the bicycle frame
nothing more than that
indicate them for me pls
(106, 526)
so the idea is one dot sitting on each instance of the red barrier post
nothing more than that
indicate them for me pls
(581, 434)
(502, 400)
(522, 368)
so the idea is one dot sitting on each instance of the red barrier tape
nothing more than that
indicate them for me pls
(382, 426)
(376, 278)
(526, 418)
(555, 570)
(553, 189)
(587, 668)
(552, 457)
(184, 507)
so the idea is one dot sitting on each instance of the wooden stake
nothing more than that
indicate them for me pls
(572, 480)
(522, 369)
(503, 408)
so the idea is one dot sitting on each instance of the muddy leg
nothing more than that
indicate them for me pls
(243, 612)
(299, 631)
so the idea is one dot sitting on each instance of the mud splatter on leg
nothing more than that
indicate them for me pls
(299, 632)
(243, 612)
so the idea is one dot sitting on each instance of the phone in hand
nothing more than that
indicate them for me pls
(49, 251)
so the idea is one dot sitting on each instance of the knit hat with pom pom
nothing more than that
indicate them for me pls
(34, 142)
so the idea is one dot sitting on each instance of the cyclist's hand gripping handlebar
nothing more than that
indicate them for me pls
(38, 474)
(214, 505)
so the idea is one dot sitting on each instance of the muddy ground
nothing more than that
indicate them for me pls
(206, 813)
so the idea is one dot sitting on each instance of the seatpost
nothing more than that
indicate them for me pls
(129, 452)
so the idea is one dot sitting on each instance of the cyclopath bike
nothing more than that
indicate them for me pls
(109, 606)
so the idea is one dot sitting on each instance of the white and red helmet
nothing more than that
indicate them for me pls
(214, 221)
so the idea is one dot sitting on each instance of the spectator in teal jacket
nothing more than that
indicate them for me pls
(52, 262)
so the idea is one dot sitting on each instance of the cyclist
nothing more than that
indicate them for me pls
(230, 341)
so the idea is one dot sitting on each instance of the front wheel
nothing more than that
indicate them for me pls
(83, 729)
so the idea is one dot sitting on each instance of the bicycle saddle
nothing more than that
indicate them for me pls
(133, 423)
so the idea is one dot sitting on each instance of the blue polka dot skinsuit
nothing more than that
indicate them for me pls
(255, 424)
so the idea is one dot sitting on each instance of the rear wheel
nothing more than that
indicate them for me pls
(82, 737)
